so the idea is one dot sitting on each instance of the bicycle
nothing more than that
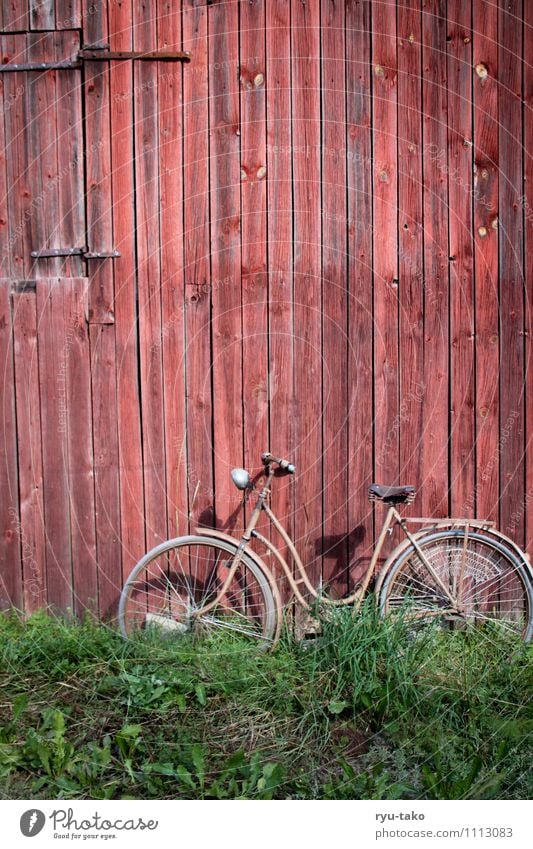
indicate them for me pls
(451, 571)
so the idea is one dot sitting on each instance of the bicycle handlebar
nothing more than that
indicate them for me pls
(267, 458)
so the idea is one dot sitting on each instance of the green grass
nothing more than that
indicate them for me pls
(364, 711)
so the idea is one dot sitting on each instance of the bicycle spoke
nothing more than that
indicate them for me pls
(184, 571)
(229, 626)
(170, 586)
(504, 623)
(497, 582)
(213, 575)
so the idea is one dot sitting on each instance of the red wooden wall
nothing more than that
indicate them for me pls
(323, 221)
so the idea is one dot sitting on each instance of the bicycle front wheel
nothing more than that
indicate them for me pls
(168, 589)
(472, 579)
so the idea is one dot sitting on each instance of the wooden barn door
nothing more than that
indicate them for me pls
(55, 401)
(91, 298)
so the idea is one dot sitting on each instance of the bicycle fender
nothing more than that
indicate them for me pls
(520, 553)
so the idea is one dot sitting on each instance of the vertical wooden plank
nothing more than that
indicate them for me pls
(385, 188)
(410, 241)
(30, 464)
(10, 526)
(434, 482)
(80, 447)
(305, 63)
(42, 14)
(485, 102)
(198, 447)
(132, 536)
(511, 243)
(94, 20)
(6, 104)
(15, 17)
(360, 329)
(71, 221)
(19, 210)
(147, 153)
(34, 180)
(462, 374)
(226, 253)
(334, 320)
(40, 134)
(101, 314)
(105, 441)
(254, 177)
(169, 86)
(98, 166)
(52, 345)
(68, 13)
(385, 257)
(47, 47)
(279, 188)
(527, 204)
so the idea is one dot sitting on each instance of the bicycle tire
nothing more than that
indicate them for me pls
(181, 575)
(496, 585)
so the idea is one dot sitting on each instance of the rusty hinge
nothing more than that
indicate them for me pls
(102, 53)
(83, 252)
(98, 53)
(66, 65)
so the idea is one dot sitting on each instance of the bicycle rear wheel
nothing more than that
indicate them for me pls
(168, 588)
(486, 580)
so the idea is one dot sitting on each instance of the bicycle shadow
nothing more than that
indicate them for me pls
(345, 563)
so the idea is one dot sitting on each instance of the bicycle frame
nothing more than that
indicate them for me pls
(393, 517)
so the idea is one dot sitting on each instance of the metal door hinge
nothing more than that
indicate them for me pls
(98, 53)
(66, 65)
(103, 53)
(83, 252)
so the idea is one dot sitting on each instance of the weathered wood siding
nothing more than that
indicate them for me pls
(323, 222)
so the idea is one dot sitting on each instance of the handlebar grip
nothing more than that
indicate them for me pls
(286, 465)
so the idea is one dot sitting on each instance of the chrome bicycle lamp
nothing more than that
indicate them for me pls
(241, 478)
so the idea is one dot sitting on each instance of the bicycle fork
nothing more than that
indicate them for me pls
(245, 539)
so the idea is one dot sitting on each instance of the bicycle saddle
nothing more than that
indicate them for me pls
(391, 494)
